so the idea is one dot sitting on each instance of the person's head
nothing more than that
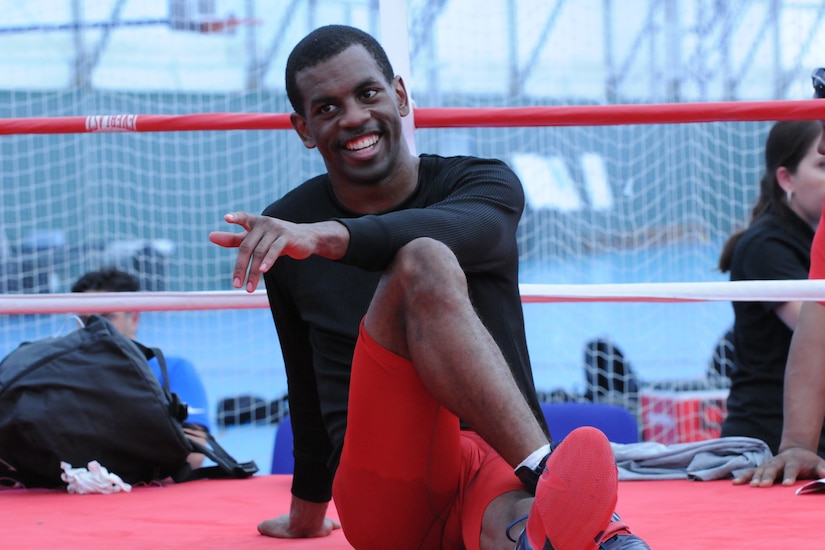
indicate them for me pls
(794, 177)
(795, 169)
(818, 78)
(348, 104)
(323, 44)
(111, 279)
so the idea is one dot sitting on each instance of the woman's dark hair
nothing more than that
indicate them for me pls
(324, 43)
(788, 143)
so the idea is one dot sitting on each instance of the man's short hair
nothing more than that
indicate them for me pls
(108, 279)
(324, 43)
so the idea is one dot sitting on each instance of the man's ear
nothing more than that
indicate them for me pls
(401, 96)
(300, 125)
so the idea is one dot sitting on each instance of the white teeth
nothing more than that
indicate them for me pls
(362, 143)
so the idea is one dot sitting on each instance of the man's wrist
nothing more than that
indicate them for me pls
(306, 516)
(794, 443)
(333, 240)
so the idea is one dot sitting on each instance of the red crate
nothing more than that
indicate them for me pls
(682, 416)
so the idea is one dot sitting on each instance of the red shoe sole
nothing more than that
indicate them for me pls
(577, 493)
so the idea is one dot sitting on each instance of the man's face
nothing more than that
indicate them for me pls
(126, 322)
(353, 116)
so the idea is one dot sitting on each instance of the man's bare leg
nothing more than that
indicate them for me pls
(422, 311)
(502, 511)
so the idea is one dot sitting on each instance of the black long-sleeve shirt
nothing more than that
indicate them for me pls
(473, 206)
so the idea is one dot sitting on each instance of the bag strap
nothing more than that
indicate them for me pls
(227, 467)
(177, 408)
(155, 352)
(162, 362)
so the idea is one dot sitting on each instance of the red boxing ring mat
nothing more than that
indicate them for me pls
(223, 514)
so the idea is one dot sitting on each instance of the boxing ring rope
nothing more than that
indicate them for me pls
(742, 291)
(441, 117)
(589, 115)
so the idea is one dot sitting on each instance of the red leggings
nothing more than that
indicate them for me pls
(408, 476)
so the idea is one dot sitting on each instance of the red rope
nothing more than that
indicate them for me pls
(442, 117)
(607, 115)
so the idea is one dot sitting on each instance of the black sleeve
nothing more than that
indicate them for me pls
(472, 205)
(312, 479)
(773, 258)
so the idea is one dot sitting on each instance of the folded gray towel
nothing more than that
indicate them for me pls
(720, 458)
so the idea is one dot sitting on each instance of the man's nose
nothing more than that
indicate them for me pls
(354, 115)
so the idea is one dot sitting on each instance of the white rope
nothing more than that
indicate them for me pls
(102, 302)
(741, 291)
(727, 291)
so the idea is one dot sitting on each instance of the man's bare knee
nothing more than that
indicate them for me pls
(424, 279)
(426, 265)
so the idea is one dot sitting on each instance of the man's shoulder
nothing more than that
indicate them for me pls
(433, 160)
(174, 363)
(453, 168)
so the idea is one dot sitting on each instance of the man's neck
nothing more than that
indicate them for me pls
(379, 196)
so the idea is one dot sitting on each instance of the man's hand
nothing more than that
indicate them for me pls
(305, 520)
(280, 528)
(789, 465)
(198, 434)
(266, 239)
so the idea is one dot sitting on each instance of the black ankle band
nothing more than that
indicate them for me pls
(530, 477)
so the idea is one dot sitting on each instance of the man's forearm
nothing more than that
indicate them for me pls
(804, 394)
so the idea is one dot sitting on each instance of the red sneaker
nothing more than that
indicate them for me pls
(576, 494)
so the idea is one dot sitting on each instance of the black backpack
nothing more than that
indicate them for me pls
(91, 395)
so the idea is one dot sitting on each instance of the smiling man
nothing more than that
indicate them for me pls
(393, 284)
